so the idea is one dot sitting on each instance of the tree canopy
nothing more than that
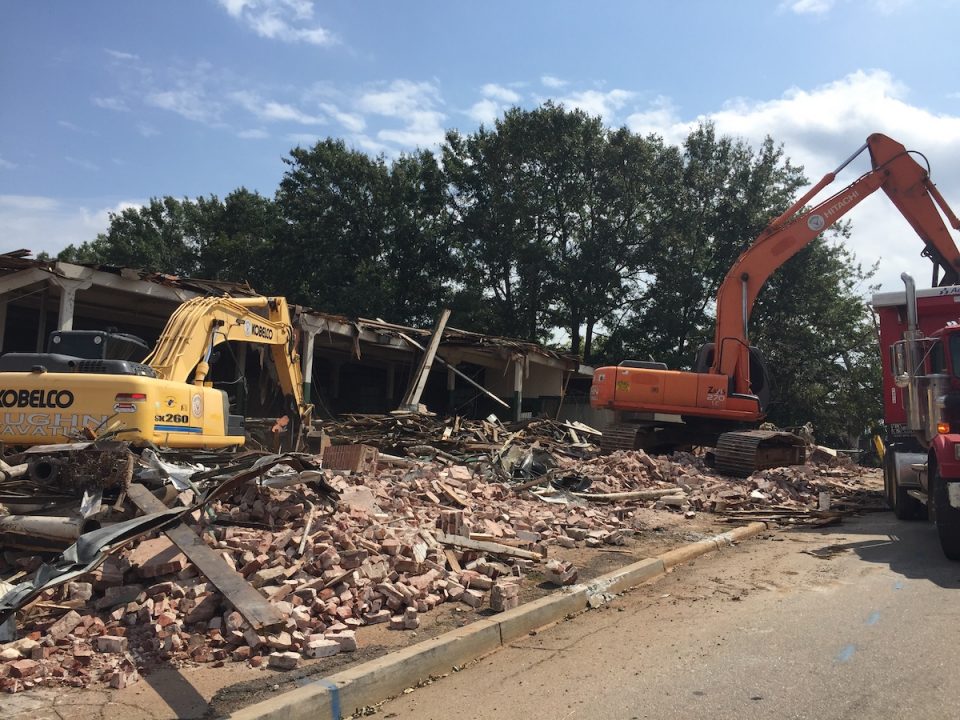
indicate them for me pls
(546, 226)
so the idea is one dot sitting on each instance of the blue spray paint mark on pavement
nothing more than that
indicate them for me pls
(847, 653)
(873, 619)
(334, 697)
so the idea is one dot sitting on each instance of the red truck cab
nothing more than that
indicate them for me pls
(920, 337)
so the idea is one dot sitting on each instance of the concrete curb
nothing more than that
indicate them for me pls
(371, 682)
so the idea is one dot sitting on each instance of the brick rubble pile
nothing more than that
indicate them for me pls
(375, 558)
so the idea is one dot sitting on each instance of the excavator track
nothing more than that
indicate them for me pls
(620, 436)
(742, 453)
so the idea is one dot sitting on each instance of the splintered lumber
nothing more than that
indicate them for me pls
(452, 559)
(451, 494)
(411, 400)
(387, 459)
(635, 495)
(410, 341)
(254, 608)
(486, 546)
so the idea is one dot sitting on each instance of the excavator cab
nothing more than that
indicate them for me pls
(84, 351)
(98, 345)
(760, 378)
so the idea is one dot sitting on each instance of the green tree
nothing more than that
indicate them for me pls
(629, 200)
(498, 230)
(723, 194)
(417, 263)
(364, 238)
(814, 326)
(552, 214)
(154, 237)
(333, 201)
(237, 238)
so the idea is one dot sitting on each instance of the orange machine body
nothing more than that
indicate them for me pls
(725, 391)
(671, 392)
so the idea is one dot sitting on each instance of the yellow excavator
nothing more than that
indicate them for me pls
(86, 384)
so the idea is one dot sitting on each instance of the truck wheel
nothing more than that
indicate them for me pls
(904, 507)
(947, 518)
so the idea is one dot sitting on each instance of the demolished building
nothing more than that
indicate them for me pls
(354, 365)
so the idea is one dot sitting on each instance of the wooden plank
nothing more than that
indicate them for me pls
(409, 340)
(452, 559)
(634, 495)
(450, 493)
(485, 546)
(254, 608)
(411, 400)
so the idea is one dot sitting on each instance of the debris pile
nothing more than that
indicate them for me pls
(417, 434)
(685, 481)
(274, 559)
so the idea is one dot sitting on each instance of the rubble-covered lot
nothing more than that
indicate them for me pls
(287, 563)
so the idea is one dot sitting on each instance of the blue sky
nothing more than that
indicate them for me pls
(106, 104)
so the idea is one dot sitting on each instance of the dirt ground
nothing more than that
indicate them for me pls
(216, 689)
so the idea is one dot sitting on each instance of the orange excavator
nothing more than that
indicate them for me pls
(728, 391)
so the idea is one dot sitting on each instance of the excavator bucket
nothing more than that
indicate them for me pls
(742, 453)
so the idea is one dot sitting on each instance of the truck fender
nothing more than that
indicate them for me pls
(943, 449)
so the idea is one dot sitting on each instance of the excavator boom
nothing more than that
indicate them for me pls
(905, 182)
(199, 325)
(722, 395)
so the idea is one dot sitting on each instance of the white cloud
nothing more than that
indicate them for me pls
(285, 20)
(190, 102)
(45, 224)
(501, 93)
(595, 102)
(821, 127)
(822, 7)
(497, 99)
(253, 134)
(111, 103)
(351, 121)
(235, 7)
(373, 147)
(811, 7)
(552, 82)
(485, 111)
(414, 105)
(661, 114)
(118, 55)
(6, 164)
(271, 111)
(147, 130)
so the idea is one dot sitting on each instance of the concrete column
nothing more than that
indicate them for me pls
(306, 365)
(68, 296)
(517, 386)
(310, 326)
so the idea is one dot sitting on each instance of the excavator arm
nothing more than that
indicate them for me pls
(199, 325)
(906, 183)
(658, 409)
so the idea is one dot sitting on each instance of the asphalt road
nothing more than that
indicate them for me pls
(861, 620)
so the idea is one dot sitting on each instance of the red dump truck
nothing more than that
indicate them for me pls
(920, 340)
